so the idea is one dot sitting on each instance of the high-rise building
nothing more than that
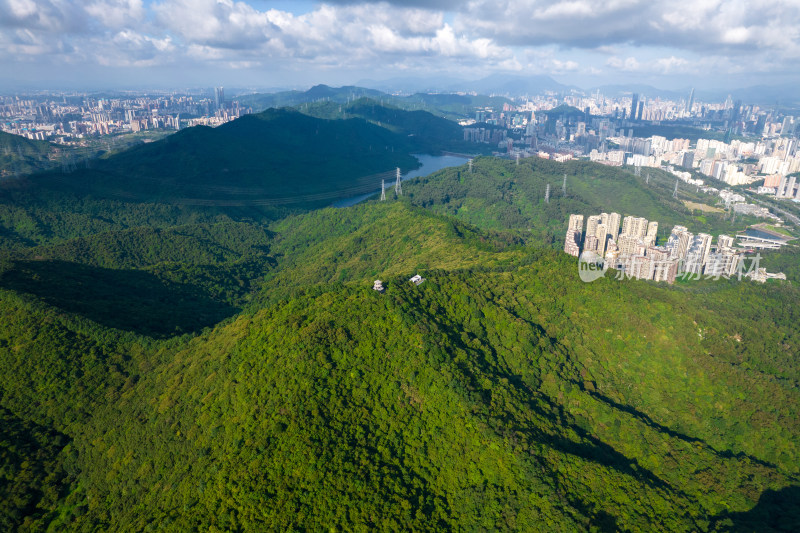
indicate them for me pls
(724, 241)
(639, 267)
(722, 262)
(602, 237)
(572, 243)
(639, 227)
(789, 192)
(591, 225)
(697, 254)
(788, 126)
(634, 226)
(782, 187)
(689, 102)
(590, 243)
(639, 111)
(679, 241)
(219, 98)
(613, 225)
(629, 245)
(652, 232)
(576, 222)
(634, 105)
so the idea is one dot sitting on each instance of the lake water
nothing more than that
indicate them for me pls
(754, 232)
(430, 164)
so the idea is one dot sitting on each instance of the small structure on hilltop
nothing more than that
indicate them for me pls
(417, 280)
(378, 286)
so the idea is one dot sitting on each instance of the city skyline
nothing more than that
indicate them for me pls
(113, 43)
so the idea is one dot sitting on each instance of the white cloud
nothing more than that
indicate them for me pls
(634, 37)
(116, 13)
(746, 26)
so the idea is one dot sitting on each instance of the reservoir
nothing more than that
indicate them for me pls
(761, 234)
(429, 165)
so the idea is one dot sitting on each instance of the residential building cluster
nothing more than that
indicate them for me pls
(752, 143)
(66, 118)
(630, 246)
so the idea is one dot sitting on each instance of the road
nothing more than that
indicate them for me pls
(795, 220)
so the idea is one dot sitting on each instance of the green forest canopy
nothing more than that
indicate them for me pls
(179, 367)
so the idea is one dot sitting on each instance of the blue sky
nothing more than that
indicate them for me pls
(262, 43)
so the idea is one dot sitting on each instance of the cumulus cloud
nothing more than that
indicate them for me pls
(340, 34)
(116, 13)
(542, 36)
(735, 25)
(49, 16)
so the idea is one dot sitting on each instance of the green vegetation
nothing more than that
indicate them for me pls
(19, 155)
(230, 368)
(680, 132)
(450, 106)
(501, 195)
(279, 157)
(426, 132)
(319, 93)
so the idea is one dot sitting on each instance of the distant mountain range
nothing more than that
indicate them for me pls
(512, 86)
(278, 157)
(496, 84)
(446, 104)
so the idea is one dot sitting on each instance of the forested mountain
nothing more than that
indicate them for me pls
(182, 367)
(317, 93)
(427, 132)
(19, 155)
(453, 106)
(278, 157)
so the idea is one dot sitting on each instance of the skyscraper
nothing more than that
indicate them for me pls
(576, 222)
(602, 238)
(652, 232)
(634, 105)
(689, 102)
(591, 225)
(613, 225)
(219, 98)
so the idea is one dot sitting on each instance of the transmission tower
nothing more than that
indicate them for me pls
(637, 171)
(383, 190)
(547, 194)
(675, 192)
(564, 186)
(398, 187)
(470, 166)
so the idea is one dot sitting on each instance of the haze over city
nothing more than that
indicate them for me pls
(262, 44)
